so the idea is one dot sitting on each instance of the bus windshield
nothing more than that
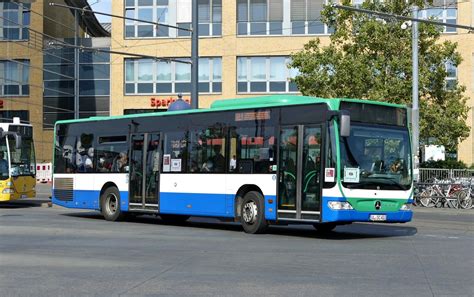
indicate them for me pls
(22, 159)
(376, 157)
(3, 159)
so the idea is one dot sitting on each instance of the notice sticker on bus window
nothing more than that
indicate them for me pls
(329, 175)
(351, 175)
(166, 163)
(176, 165)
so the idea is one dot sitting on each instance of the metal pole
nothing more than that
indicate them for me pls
(415, 108)
(195, 57)
(76, 65)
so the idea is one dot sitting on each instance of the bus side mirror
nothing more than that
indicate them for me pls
(17, 140)
(16, 135)
(345, 124)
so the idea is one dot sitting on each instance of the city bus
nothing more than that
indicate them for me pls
(259, 161)
(17, 161)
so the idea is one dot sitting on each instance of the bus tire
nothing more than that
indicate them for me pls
(110, 204)
(174, 219)
(324, 227)
(252, 213)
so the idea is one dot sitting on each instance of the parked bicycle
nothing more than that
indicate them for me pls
(453, 193)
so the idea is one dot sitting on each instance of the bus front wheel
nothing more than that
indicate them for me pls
(110, 204)
(252, 213)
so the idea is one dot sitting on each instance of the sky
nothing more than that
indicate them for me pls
(101, 6)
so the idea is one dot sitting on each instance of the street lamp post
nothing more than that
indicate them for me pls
(415, 109)
(195, 56)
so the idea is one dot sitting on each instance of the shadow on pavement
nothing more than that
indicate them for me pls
(23, 204)
(345, 232)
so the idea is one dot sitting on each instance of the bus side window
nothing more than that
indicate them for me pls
(255, 149)
(111, 154)
(233, 152)
(85, 153)
(176, 146)
(207, 150)
(65, 154)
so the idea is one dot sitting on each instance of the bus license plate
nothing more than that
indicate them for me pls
(378, 218)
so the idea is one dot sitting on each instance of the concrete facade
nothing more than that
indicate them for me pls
(465, 43)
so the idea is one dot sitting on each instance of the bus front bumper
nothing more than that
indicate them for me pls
(372, 215)
(366, 216)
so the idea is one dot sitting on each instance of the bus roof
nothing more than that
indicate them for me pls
(5, 125)
(244, 103)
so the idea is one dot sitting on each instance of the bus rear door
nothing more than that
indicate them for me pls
(145, 162)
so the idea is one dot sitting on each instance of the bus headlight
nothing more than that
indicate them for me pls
(339, 205)
(9, 184)
(406, 206)
(8, 191)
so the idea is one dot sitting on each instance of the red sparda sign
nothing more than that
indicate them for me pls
(157, 102)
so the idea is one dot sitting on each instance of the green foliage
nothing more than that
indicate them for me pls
(371, 58)
(447, 164)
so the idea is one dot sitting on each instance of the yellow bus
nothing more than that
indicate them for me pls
(17, 161)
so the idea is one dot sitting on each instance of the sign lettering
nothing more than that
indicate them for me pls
(252, 116)
(157, 102)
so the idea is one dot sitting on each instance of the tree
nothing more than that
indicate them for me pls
(370, 58)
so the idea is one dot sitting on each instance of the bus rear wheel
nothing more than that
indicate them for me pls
(252, 213)
(325, 227)
(110, 204)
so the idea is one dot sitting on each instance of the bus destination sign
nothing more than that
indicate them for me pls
(252, 116)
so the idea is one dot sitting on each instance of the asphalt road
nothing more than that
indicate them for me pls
(63, 252)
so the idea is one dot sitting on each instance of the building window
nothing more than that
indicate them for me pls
(59, 88)
(260, 17)
(451, 75)
(15, 21)
(146, 76)
(148, 10)
(267, 17)
(6, 116)
(14, 78)
(210, 17)
(306, 17)
(443, 11)
(265, 75)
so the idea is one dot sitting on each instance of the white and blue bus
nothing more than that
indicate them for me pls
(259, 161)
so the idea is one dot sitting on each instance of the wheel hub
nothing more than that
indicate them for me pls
(112, 203)
(249, 212)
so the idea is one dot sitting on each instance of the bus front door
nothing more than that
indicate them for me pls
(145, 165)
(299, 186)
